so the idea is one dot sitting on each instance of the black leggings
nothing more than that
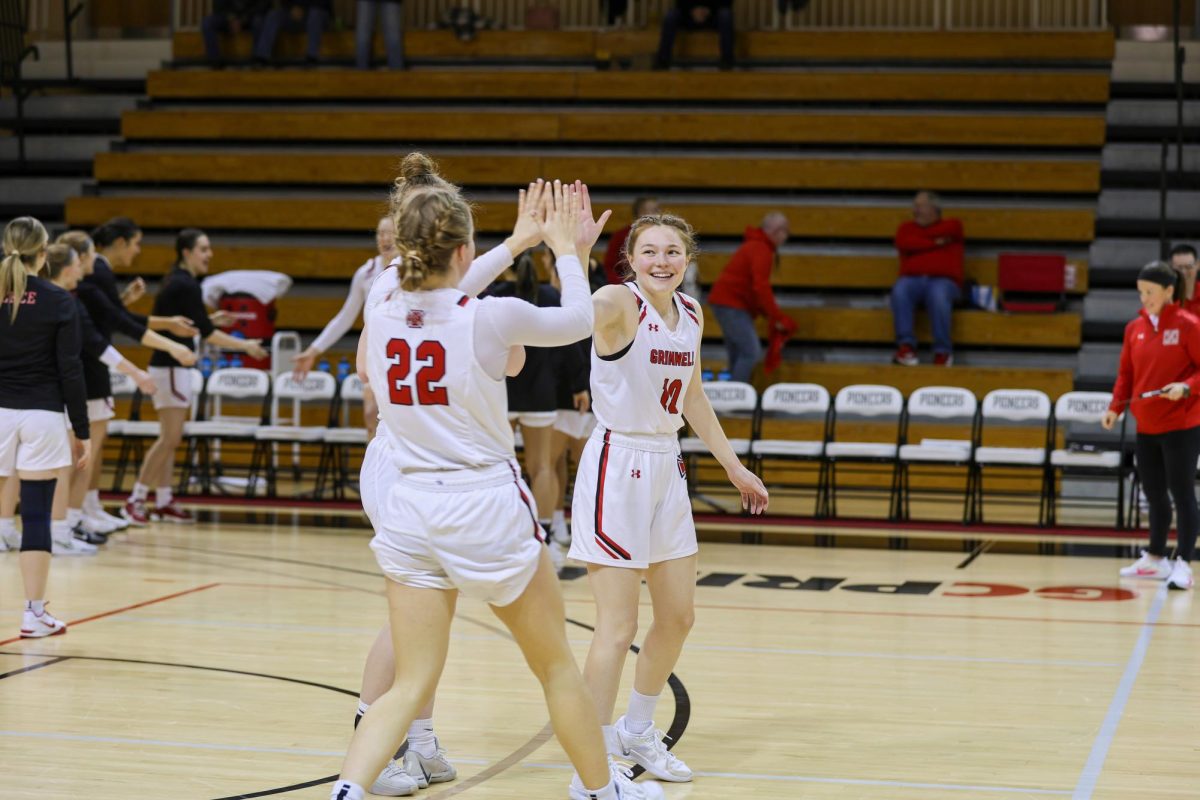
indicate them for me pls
(1167, 463)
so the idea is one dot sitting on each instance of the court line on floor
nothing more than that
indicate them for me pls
(104, 614)
(1112, 719)
(1033, 662)
(33, 667)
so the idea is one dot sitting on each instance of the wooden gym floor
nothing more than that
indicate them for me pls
(224, 661)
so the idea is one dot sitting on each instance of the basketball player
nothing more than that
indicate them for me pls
(631, 516)
(40, 373)
(180, 295)
(454, 513)
(360, 284)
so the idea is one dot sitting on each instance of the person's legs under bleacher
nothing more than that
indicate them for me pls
(940, 296)
(907, 293)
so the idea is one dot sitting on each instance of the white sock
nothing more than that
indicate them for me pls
(8, 526)
(346, 790)
(74, 515)
(421, 738)
(162, 496)
(91, 502)
(140, 492)
(560, 518)
(640, 715)
(37, 607)
(60, 531)
(362, 707)
(606, 792)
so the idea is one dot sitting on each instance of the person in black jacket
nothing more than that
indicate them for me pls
(697, 15)
(40, 373)
(179, 296)
(231, 16)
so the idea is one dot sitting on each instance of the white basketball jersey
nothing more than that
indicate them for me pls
(640, 390)
(441, 410)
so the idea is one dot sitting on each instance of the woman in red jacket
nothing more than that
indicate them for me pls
(1159, 379)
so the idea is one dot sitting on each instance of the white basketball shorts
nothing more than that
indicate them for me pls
(631, 506)
(174, 387)
(471, 530)
(575, 424)
(533, 419)
(32, 441)
(100, 409)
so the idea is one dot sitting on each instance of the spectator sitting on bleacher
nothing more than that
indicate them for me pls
(391, 20)
(695, 15)
(231, 16)
(931, 274)
(616, 267)
(743, 292)
(1183, 261)
(293, 16)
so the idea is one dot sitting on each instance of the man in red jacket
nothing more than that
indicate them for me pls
(615, 265)
(931, 274)
(743, 291)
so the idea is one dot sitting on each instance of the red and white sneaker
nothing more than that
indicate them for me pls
(1148, 566)
(135, 511)
(1181, 575)
(35, 626)
(943, 359)
(172, 512)
(905, 356)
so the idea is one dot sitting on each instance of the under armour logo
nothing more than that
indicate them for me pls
(653, 326)
(635, 473)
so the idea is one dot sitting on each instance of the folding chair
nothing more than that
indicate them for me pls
(337, 441)
(944, 407)
(207, 435)
(316, 387)
(790, 407)
(730, 400)
(868, 403)
(1026, 409)
(135, 432)
(1085, 409)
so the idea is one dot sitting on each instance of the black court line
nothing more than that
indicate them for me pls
(31, 667)
(979, 550)
(282, 789)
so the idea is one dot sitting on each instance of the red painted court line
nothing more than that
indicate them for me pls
(104, 614)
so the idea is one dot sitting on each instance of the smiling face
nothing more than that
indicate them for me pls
(124, 251)
(659, 258)
(1154, 296)
(199, 257)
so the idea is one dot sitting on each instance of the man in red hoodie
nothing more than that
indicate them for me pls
(743, 292)
(931, 274)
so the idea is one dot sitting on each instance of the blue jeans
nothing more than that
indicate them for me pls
(741, 340)
(364, 29)
(722, 19)
(211, 28)
(280, 19)
(937, 294)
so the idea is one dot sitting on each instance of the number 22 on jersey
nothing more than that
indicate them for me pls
(432, 356)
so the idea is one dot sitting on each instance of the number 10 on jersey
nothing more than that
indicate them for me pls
(432, 355)
(670, 395)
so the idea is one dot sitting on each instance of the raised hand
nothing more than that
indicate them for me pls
(526, 231)
(589, 229)
(559, 219)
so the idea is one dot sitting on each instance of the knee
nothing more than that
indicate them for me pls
(616, 632)
(677, 622)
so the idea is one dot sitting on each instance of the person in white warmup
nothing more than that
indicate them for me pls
(451, 512)
(631, 517)
(343, 321)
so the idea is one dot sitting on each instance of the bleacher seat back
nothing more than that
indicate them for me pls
(1016, 405)
(315, 385)
(942, 402)
(869, 400)
(352, 388)
(239, 383)
(795, 399)
(1087, 407)
(731, 397)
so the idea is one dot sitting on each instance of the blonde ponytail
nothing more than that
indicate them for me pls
(413, 271)
(24, 240)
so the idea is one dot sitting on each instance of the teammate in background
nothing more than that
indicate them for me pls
(40, 373)
(118, 243)
(631, 517)
(1161, 355)
(180, 295)
(339, 326)
(99, 356)
(1183, 261)
(453, 513)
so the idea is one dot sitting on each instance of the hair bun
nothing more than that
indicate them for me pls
(419, 169)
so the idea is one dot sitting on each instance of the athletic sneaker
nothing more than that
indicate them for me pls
(172, 512)
(558, 555)
(394, 781)
(623, 782)
(943, 359)
(648, 750)
(84, 533)
(11, 541)
(1148, 566)
(136, 514)
(1181, 575)
(72, 547)
(429, 770)
(34, 626)
(905, 356)
(560, 534)
(100, 515)
(103, 523)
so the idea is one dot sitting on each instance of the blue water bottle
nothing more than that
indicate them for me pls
(222, 362)
(323, 365)
(706, 374)
(724, 375)
(236, 361)
(343, 369)
(206, 367)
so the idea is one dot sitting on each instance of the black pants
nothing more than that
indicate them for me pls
(721, 19)
(1167, 464)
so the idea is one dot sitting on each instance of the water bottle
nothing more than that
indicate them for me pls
(706, 374)
(343, 370)
(724, 375)
(323, 365)
(237, 334)
(222, 362)
(206, 367)
(236, 361)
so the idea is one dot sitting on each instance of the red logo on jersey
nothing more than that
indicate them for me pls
(635, 473)
(415, 318)
(672, 358)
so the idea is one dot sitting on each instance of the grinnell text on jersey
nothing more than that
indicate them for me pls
(672, 358)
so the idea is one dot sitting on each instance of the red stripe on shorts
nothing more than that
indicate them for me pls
(606, 542)
(537, 528)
